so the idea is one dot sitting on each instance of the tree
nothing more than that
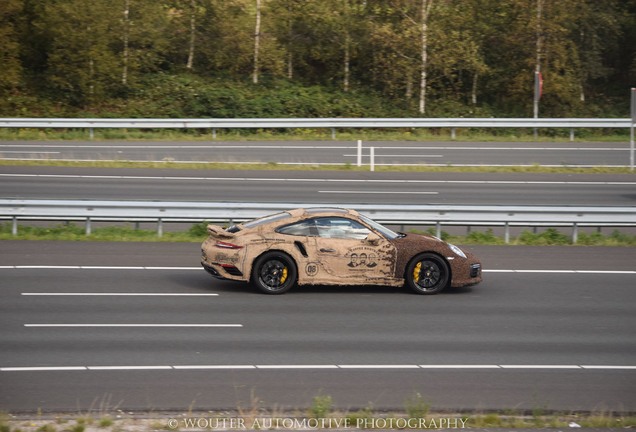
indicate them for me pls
(81, 62)
(9, 44)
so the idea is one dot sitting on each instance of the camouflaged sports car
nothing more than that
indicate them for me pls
(333, 246)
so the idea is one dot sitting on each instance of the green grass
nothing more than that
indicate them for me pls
(550, 237)
(273, 166)
(73, 232)
(197, 233)
(415, 408)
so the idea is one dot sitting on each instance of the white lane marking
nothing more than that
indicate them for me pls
(43, 267)
(494, 148)
(349, 367)
(120, 294)
(398, 155)
(627, 272)
(361, 366)
(107, 368)
(592, 367)
(137, 325)
(441, 366)
(47, 267)
(377, 192)
(212, 367)
(170, 147)
(43, 368)
(540, 366)
(296, 366)
(296, 146)
(29, 151)
(323, 180)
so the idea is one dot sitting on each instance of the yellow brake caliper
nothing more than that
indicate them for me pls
(416, 272)
(283, 277)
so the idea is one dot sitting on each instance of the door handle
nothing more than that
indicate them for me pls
(326, 250)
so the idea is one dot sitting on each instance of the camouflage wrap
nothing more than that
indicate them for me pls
(327, 255)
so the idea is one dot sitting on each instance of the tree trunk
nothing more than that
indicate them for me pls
(538, 61)
(474, 92)
(124, 75)
(193, 7)
(257, 37)
(347, 61)
(426, 7)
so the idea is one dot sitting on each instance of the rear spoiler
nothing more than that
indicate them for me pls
(216, 231)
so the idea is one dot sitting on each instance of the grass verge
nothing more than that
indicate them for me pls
(316, 134)
(260, 418)
(197, 233)
(273, 166)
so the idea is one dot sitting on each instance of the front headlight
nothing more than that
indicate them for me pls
(457, 250)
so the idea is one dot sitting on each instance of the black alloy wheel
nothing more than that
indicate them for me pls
(274, 273)
(427, 273)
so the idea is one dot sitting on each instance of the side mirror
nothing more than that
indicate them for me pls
(373, 239)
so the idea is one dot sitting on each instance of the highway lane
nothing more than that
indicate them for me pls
(333, 187)
(551, 338)
(328, 152)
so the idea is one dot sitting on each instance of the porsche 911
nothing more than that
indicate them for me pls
(333, 246)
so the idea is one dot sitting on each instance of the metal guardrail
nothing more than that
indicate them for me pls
(333, 123)
(160, 212)
(316, 123)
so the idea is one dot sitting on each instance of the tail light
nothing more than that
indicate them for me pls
(224, 245)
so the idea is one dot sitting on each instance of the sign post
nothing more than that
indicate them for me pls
(631, 130)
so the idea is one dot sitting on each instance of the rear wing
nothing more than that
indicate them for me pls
(217, 232)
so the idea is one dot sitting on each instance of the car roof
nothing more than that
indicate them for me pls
(322, 211)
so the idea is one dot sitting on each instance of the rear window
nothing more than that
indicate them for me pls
(266, 219)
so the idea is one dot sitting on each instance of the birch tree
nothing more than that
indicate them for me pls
(425, 12)
(257, 40)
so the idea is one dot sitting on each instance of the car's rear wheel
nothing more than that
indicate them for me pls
(274, 273)
(427, 273)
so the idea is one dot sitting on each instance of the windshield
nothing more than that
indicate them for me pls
(390, 234)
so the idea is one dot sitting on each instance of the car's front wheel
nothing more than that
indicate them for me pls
(427, 273)
(274, 273)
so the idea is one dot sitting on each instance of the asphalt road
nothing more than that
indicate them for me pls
(559, 337)
(329, 152)
(333, 187)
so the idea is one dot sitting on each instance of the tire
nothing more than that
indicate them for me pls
(274, 273)
(427, 273)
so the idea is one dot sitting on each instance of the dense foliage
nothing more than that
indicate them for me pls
(316, 58)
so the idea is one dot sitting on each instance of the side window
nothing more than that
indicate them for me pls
(302, 228)
(335, 227)
(327, 227)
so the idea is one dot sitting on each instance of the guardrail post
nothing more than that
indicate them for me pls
(438, 229)
(90, 133)
(507, 233)
(571, 134)
(575, 232)
(372, 161)
(333, 133)
(88, 226)
(213, 133)
(453, 133)
(14, 226)
(159, 227)
(359, 153)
